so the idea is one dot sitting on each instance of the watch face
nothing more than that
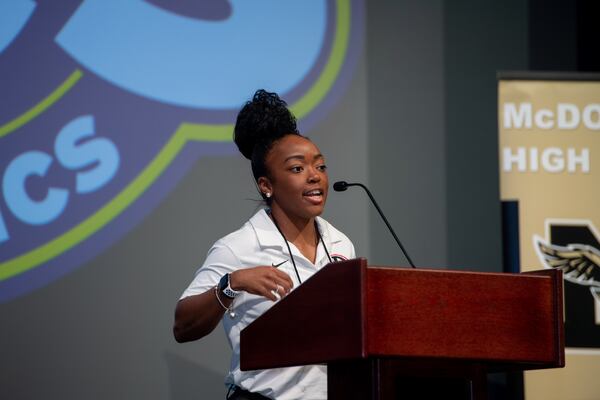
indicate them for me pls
(224, 282)
(225, 288)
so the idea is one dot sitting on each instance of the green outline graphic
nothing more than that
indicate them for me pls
(185, 133)
(43, 105)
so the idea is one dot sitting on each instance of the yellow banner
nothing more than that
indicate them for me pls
(549, 137)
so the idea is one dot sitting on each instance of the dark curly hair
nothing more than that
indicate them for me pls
(262, 122)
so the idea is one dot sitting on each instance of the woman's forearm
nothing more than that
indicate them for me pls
(196, 316)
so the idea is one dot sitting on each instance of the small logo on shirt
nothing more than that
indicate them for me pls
(279, 264)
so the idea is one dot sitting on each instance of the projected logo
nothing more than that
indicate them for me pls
(574, 247)
(107, 103)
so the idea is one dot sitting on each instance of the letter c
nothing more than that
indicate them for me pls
(18, 201)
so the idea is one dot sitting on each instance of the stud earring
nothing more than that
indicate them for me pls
(268, 195)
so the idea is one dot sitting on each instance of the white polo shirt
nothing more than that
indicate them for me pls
(259, 242)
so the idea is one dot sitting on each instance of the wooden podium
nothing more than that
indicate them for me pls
(381, 329)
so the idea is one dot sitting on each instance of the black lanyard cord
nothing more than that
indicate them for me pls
(319, 237)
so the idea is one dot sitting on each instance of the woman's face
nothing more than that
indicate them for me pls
(298, 179)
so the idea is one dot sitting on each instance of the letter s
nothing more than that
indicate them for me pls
(74, 154)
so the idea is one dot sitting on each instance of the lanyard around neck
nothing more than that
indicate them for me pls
(319, 238)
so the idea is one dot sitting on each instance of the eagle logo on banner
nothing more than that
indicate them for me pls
(573, 247)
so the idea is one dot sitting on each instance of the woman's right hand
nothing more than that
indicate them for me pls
(262, 281)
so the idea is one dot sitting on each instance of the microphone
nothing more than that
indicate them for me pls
(341, 186)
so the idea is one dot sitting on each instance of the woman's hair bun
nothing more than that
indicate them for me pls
(262, 120)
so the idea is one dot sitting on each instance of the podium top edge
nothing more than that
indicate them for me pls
(537, 273)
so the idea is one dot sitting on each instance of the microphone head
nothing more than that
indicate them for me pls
(340, 186)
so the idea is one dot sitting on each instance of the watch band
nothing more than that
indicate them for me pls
(226, 289)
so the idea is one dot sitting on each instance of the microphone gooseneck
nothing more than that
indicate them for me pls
(341, 186)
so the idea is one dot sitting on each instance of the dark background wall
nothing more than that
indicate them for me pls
(432, 102)
(418, 124)
(481, 38)
(407, 138)
(432, 126)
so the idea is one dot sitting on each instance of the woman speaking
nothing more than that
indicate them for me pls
(280, 247)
